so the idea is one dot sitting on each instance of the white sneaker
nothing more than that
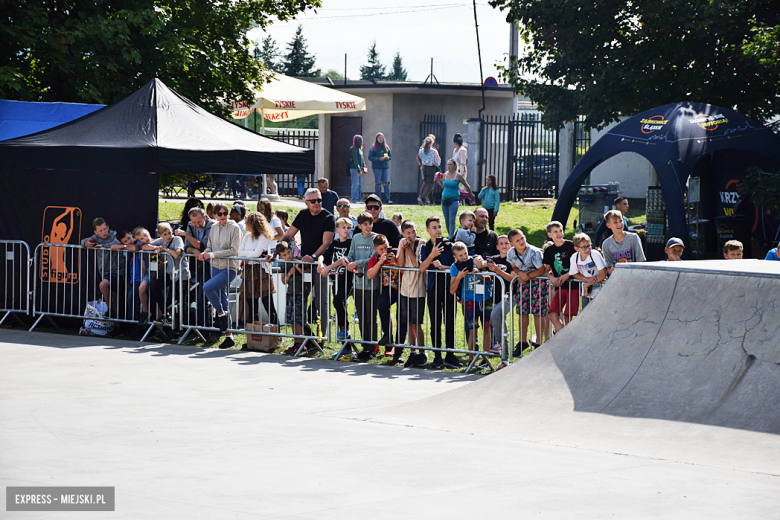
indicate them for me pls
(496, 348)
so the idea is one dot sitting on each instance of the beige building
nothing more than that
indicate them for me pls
(399, 111)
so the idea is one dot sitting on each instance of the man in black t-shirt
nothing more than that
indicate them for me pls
(317, 228)
(556, 260)
(382, 226)
(329, 197)
(486, 241)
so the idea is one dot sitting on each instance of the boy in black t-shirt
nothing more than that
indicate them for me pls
(565, 302)
(437, 254)
(502, 304)
(331, 263)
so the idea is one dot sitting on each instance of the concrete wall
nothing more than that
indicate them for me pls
(398, 116)
(631, 170)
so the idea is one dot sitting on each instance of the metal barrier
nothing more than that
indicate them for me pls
(16, 277)
(412, 294)
(70, 277)
(255, 281)
(135, 285)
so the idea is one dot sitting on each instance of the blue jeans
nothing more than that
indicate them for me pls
(382, 178)
(301, 182)
(388, 297)
(450, 216)
(216, 288)
(357, 185)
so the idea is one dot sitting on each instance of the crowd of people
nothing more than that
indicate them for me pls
(374, 261)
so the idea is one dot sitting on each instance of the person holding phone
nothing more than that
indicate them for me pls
(474, 292)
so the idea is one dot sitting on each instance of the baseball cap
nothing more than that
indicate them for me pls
(373, 198)
(674, 241)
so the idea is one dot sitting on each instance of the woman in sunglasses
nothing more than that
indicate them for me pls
(224, 242)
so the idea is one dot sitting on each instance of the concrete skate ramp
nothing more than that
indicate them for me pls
(692, 342)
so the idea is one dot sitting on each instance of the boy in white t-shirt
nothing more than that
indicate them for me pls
(587, 266)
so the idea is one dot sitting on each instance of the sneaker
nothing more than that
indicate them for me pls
(420, 201)
(384, 340)
(411, 360)
(437, 363)
(366, 354)
(519, 348)
(501, 365)
(389, 201)
(343, 334)
(389, 352)
(421, 359)
(482, 365)
(450, 361)
(291, 351)
(227, 343)
(222, 322)
(496, 348)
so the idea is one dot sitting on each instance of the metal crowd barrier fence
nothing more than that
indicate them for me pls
(16, 278)
(290, 296)
(426, 313)
(123, 286)
(251, 289)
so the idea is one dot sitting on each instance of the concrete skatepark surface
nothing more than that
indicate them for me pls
(603, 421)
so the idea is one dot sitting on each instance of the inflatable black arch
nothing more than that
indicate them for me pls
(673, 138)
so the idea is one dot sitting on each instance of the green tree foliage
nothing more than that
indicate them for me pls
(398, 72)
(268, 54)
(373, 70)
(764, 188)
(608, 58)
(99, 51)
(333, 74)
(298, 62)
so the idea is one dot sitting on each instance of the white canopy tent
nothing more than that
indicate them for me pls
(286, 98)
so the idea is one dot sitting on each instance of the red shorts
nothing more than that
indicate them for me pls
(568, 298)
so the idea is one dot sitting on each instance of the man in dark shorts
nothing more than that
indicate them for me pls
(317, 228)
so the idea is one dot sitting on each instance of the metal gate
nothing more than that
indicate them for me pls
(436, 125)
(523, 156)
(287, 183)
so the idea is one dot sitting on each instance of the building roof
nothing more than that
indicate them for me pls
(409, 87)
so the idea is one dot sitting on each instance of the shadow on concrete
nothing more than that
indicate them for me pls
(242, 358)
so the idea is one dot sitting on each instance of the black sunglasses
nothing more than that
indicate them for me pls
(373, 207)
(314, 201)
(222, 214)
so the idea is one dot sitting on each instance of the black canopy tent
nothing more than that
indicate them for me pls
(105, 164)
(674, 138)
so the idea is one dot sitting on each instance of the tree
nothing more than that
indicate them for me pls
(298, 62)
(610, 58)
(374, 70)
(97, 51)
(268, 54)
(333, 74)
(399, 72)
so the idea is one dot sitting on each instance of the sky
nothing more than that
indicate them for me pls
(438, 30)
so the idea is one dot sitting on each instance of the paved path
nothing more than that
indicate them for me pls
(192, 433)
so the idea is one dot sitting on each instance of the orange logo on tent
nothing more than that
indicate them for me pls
(61, 225)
